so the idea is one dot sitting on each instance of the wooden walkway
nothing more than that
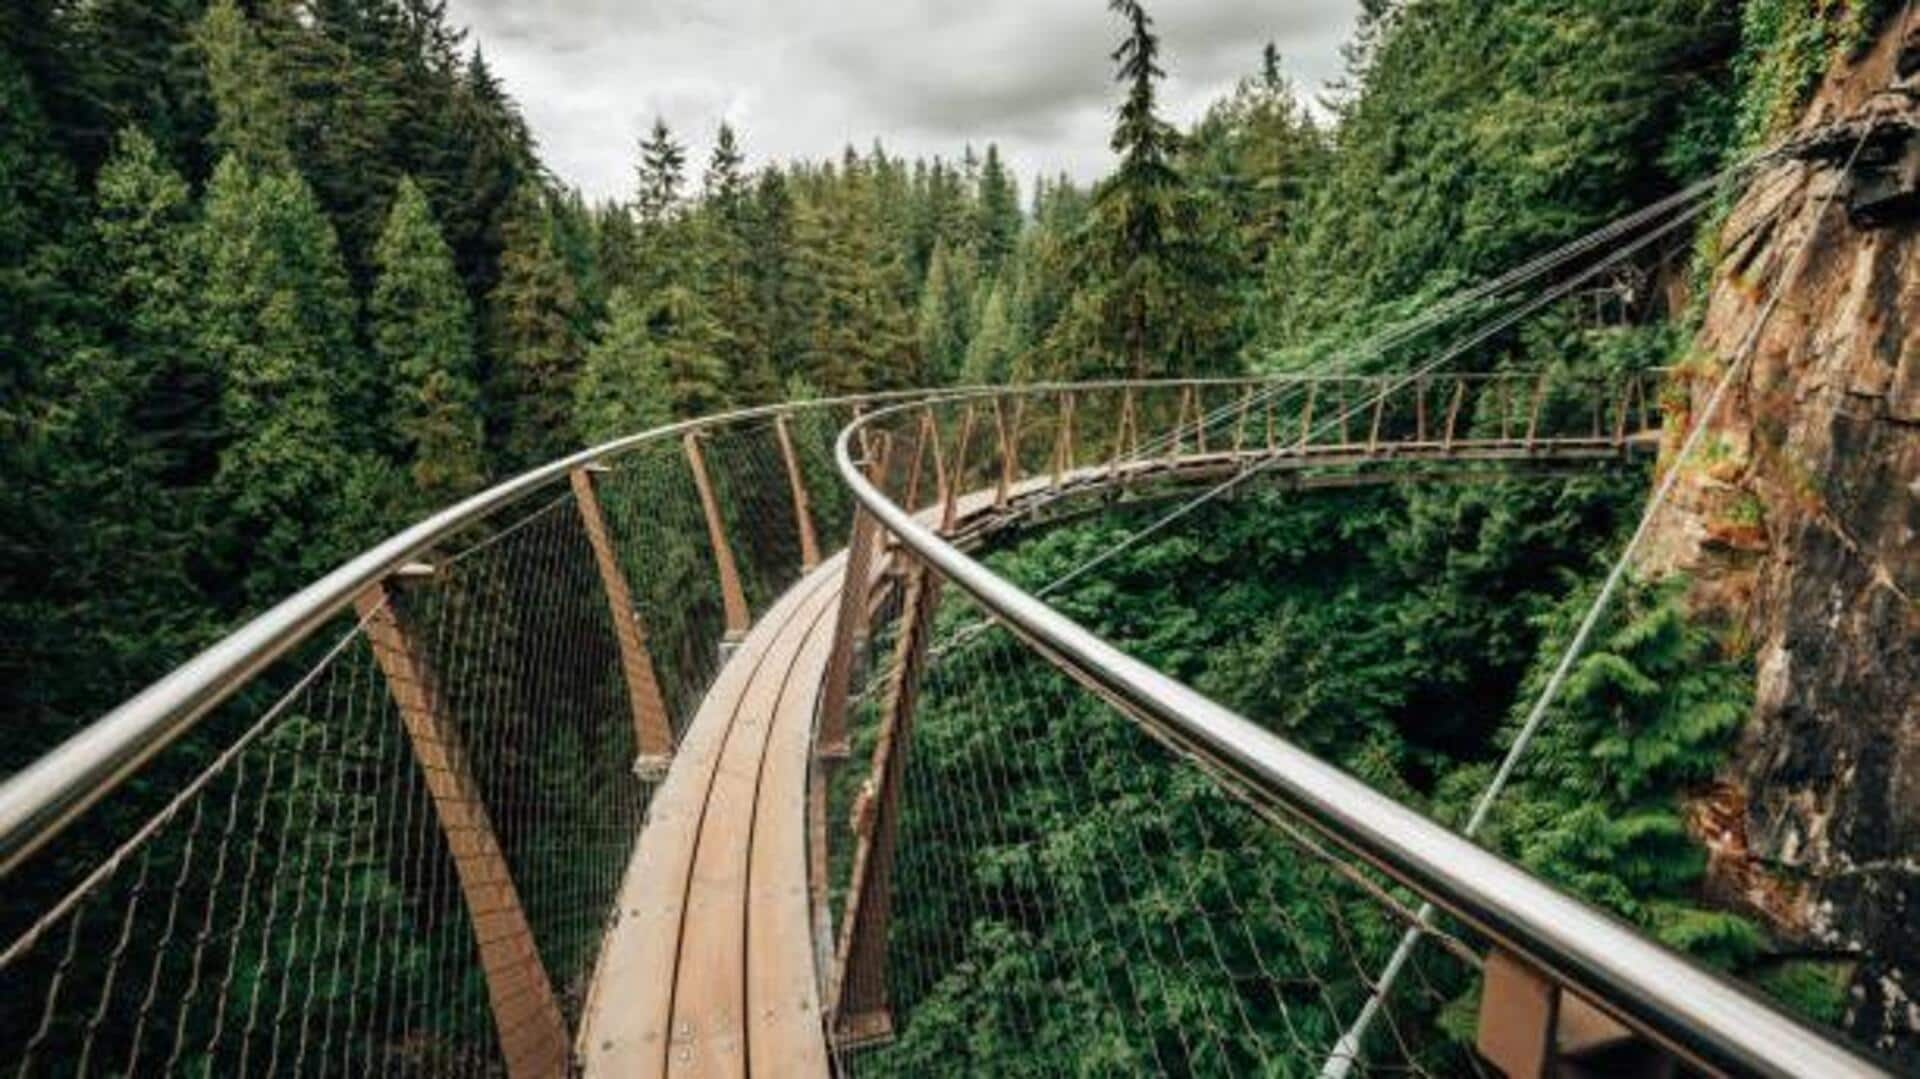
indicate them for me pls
(711, 966)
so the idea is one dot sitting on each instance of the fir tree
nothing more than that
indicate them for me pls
(535, 339)
(254, 115)
(689, 342)
(946, 316)
(623, 388)
(423, 337)
(1155, 253)
(999, 211)
(995, 347)
(724, 186)
(663, 163)
(277, 321)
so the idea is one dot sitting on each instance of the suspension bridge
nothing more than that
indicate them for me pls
(718, 750)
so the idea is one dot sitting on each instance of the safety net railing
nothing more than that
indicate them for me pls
(1048, 855)
(378, 830)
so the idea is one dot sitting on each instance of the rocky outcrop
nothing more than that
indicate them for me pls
(1800, 527)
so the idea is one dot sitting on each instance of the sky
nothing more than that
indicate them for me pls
(804, 78)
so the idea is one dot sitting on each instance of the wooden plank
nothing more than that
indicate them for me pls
(625, 1033)
(797, 484)
(709, 1027)
(533, 1036)
(732, 597)
(784, 1010)
(652, 732)
(1518, 1013)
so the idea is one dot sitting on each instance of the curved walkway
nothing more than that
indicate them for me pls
(711, 967)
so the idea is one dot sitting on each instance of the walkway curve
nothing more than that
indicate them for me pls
(714, 965)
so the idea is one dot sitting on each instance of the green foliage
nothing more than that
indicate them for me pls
(423, 339)
(624, 389)
(276, 320)
(250, 96)
(537, 341)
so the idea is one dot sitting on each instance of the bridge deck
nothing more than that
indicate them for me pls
(711, 965)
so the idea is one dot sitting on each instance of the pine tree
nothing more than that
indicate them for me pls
(623, 388)
(422, 333)
(995, 349)
(663, 163)
(1155, 253)
(999, 212)
(689, 342)
(946, 316)
(724, 186)
(276, 321)
(254, 115)
(536, 341)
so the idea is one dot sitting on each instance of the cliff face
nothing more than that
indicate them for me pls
(1800, 528)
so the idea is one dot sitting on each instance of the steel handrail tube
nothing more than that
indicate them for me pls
(37, 802)
(1704, 1016)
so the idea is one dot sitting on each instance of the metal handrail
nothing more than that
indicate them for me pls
(1697, 1013)
(37, 802)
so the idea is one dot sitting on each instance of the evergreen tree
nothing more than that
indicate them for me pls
(992, 354)
(689, 341)
(663, 163)
(623, 388)
(276, 321)
(423, 338)
(1155, 253)
(254, 115)
(536, 341)
(946, 316)
(724, 186)
(999, 203)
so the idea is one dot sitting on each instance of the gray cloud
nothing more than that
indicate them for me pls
(923, 76)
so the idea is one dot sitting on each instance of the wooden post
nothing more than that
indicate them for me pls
(1240, 422)
(1420, 410)
(1379, 412)
(731, 594)
(1453, 409)
(1063, 441)
(1519, 1008)
(850, 625)
(857, 987)
(1125, 437)
(1180, 424)
(951, 485)
(526, 1015)
(652, 733)
(1533, 416)
(802, 512)
(1306, 417)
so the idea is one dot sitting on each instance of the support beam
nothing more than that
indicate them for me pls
(526, 1015)
(857, 989)
(652, 732)
(732, 596)
(850, 624)
(802, 511)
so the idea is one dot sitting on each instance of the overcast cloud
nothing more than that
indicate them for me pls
(802, 79)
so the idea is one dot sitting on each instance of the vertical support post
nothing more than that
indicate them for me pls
(957, 478)
(1533, 415)
(652, 733)
(1306, 416)
(1420, 410)
(1009, 447)
(731, 595)
(1063, 440)
(802, 511)
(526, 1014)
(1124, 438)
(857, 989)
(1519, 1008)
(1453, 409)
(1344, 413)
(1379, 413)
(1180, 424)
(850, 624)
(1240, 421)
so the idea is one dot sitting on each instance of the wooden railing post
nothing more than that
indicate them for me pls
(797, 484)
(1063, 440)
(957, 477)
(1453, 409)
(652, 732)
(857, 988)
(526, 1014)
(1530, 1027)
(1240, 420)
(1306, 417)
(1379, 413)
(850, 625)
(1533, 415)
(1126, 437)
(732, 596)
